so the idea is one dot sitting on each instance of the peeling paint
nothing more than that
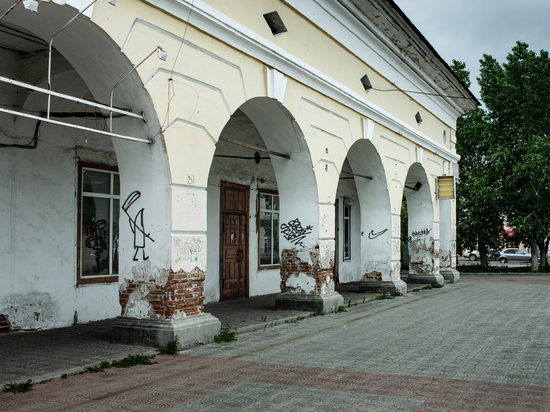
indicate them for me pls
(30, 311)
(138, 306)
(304, 257)
(302, 271)
(374, 275)
(147, 273)
(422, 256)
(328, 285)
(181, 296)
(300, 283)
(188, 252)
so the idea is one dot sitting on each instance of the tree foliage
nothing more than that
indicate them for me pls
(479, 219)
(460, 70)
(505, 148)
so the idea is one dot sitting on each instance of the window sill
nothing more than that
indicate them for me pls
(271, 267)
(99, 279)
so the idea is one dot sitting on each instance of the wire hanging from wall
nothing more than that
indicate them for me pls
(170, 79)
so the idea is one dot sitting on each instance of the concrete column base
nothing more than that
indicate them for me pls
(156, 332)
(381, 286)
(425, 278)
(450, 275)
(313, 303)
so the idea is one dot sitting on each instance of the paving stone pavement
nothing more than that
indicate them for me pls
(482, 344)
(46, 355)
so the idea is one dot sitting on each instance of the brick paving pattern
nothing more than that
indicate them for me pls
(480, 345)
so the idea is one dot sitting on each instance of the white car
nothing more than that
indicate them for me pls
(472, 255)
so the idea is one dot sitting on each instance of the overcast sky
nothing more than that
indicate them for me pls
(467, 29)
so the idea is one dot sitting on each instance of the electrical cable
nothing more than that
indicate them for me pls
(424, 93)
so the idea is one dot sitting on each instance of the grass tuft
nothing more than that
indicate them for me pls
(18, 387)
(227, 334)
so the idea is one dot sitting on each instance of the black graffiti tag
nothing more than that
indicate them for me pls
(373, 235)
(294, 232)
(98, 238)
(423, 232)
(136, 225)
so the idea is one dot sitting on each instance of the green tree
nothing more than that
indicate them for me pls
(479, 221)
(517, 97)
(459, 67)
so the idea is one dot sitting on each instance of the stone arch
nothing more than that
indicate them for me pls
(265, 124)
(373, 225)
(423, 251)
(87, 63)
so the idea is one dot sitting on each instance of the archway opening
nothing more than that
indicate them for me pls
(423, 265)
(364, 243)
(66, 187)
(262, 204)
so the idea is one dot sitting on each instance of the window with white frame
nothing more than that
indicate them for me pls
(268, 229)
(347, 232)
(98, 216)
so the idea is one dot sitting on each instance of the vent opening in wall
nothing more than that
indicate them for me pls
(275, 23)
(418, 118)
(366, 83)
(444, 136)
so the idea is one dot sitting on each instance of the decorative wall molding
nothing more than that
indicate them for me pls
(222, 27)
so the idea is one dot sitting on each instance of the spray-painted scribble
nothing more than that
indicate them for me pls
(294, 232)
(373, 235)
(136, 224)
(98, 238)
(423, 232)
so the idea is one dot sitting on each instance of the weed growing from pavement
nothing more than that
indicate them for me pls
(264, 318)
(397, 293)
(363, 299)
(133, 360)
(316, 313)
(64, 376)
(295, 320)
(171, 348)
(227, 334)
(349, 303)
(433, 285)
(94, 369)
(18, 387)
(384, 296)
(416, 290)
(127, 362)
(341, 309)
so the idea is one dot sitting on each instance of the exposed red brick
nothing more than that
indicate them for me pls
(292, 265)
(182, 291)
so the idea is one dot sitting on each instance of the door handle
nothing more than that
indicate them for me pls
(240, 255)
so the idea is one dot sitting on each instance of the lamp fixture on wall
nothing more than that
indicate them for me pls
(161, 54)
(416, 187)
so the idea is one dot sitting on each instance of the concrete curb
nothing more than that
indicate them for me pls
(75, 370)
(503, 274)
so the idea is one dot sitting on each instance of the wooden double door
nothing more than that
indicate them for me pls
(234, 215)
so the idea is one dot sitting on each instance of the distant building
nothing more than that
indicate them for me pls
(251, 152)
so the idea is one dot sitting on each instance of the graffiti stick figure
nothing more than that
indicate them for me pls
(136, 224)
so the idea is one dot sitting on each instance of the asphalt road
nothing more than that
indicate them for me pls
(482, 344)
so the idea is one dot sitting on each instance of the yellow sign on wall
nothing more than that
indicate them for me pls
(446, 187)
